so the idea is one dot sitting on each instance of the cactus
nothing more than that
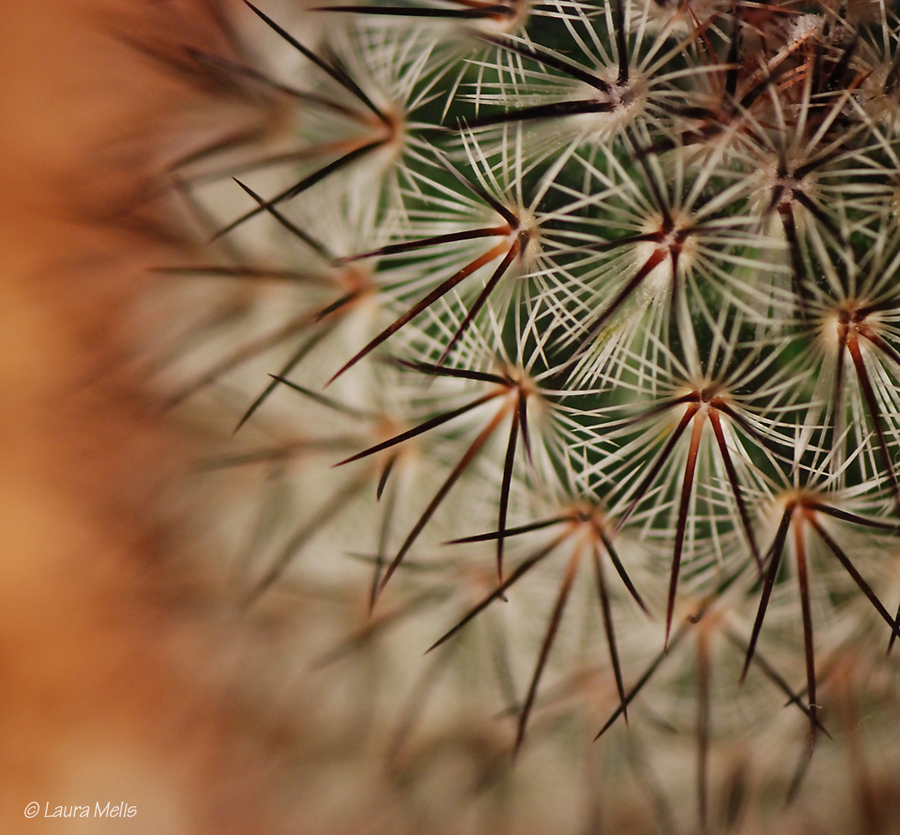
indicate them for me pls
(565, 335)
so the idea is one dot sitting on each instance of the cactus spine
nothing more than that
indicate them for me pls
(605, 294)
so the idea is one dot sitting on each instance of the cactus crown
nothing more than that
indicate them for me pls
(608, 283)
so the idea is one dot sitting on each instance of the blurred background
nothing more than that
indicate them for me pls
(105, 695)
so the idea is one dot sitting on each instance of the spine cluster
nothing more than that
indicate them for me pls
(566, 333)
